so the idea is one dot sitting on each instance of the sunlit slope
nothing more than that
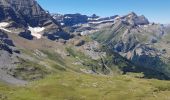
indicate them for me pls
(77, 86)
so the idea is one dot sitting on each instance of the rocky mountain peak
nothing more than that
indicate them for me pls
(28, 14)
(135, 20)
(132, 15)
(4, 3)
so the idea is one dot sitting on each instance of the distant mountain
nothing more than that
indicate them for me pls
(75, 19)
(131, 36)
(71, 19)
(134, 20)
(83, 24)
(143, 43)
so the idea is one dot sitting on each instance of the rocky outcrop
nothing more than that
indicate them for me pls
(143, 55)
(79, 42)
(26, 35)
(6, 43)
(92, 49)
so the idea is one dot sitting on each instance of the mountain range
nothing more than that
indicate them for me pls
(35, 44)
(131, 36)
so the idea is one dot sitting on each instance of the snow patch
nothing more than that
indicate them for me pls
(118, 17)
(62, 24)
(3, 26)
(83, 33)
(36, 31)
(139, 51)
(67, 17)
(99, 22)
(94, 19)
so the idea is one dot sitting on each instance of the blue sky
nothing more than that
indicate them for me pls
(155, 10)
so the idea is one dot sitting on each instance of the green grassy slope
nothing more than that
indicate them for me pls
(77, 86)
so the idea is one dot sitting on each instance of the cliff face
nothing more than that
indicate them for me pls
(28, 13)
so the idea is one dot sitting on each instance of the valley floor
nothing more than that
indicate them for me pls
(78, 86)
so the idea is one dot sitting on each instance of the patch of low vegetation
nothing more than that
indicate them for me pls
(71, 52)
(55, 57)
(58, 63)
(58, 67)
(108, 35)
(3, 97)
(27, 70)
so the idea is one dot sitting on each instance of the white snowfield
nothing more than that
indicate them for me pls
(99, 22)
(36, 31)
(3, 26)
